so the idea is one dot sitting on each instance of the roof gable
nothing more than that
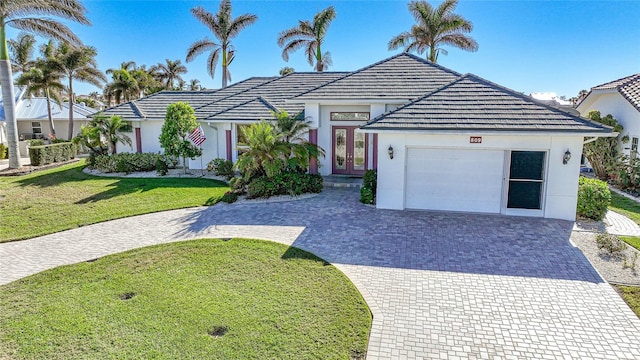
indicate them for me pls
(251, 110)
(628, 87)
(403, 76)
(475, 104)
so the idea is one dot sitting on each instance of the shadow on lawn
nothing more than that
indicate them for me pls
(340, 230)
(54, 177)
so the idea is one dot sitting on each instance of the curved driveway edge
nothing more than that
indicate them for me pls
(439, 285)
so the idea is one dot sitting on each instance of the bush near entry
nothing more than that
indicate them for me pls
(593, 198)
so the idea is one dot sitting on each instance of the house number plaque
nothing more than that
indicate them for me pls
(475, 139)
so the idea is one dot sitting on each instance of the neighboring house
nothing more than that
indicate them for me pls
(33, 119)
(620, 98)
(438, 139)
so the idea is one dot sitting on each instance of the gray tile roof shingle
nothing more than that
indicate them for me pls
(628, 87)
(403, 77)
(472, 103)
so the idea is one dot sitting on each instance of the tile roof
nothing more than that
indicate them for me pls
(35, 108)
(251, 110)
(275, 92)
(472, 103)
(628, 87)
(154, 106)
(403, 76)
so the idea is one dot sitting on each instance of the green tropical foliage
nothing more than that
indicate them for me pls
(36, 17)
(179, 123)
(44, 78)
(434, 28)
(604, 154)
(22, 49)
(310, 36)
(224, 29)
(77, 63)
(170, 73)
(102, 128)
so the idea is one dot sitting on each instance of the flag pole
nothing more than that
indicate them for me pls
(201, 167)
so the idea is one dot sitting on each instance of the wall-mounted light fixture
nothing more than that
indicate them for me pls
(390, 151)
(566, 157)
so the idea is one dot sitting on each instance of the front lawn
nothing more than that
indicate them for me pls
(631, 294)
(625, 206)
(65, 197)
(202, 299)
(631, 240)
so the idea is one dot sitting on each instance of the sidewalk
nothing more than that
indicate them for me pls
(4, 163)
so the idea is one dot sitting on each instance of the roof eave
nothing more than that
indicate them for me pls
(524, 132)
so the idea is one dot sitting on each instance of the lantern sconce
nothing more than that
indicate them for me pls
(566, 157)
(390, 152)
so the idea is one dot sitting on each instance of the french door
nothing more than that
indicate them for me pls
(349, 150)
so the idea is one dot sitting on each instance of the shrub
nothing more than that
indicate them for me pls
(131, 162)
(262, 187)
(593, 198)
(47, 154)
(221, 167)
(35, 142)
(3, 151)
(238, 185)
(284, 184)
(611, 244)
(229, 197)
(162, 167)
(369, 187)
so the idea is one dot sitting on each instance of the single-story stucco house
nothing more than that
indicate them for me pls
(621, 99)
(439, 140)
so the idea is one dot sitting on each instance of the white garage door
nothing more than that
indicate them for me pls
(454, 180)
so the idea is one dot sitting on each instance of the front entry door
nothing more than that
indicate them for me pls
(349, 150)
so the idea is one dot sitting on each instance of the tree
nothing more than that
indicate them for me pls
(194, 85)
(34, 17)
(224, 29)
(179, 123)
(286, 71)
(22, 52)
(44, 78)
(78, 63)
(123, 86)
(292, 131)
(433, 28)
(102, 128)
(604, 153)
(311, 36)
(170, 73)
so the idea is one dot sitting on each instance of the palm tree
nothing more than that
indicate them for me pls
(292, 131)
(170, 73)
(286, 70)
(435, 27)
(34, 17)
(22, 50)
(44, 77)
(125, 65)
(78, 63)
(110, 129)
(194, 85)
(224, 28)
(309, 35)
(123, 86)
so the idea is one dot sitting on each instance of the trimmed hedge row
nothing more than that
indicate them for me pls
(132, 162)
(47, 154)
(284, 184)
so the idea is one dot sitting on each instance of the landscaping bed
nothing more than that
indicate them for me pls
(201, 299)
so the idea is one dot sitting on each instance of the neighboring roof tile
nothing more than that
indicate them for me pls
(472, 103)
(36, 108)
(251, 110)
(275, 92)
(628, 87)
(403, 76)
(154, 106)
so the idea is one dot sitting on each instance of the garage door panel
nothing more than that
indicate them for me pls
(454, 180)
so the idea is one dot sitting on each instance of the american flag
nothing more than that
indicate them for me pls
(197, 136)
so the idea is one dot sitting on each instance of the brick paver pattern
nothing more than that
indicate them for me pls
(439, 285)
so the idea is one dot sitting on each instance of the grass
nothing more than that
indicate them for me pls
(625, 206)
(202, 299)
(64, 198)
(631, 240)
(631, 294)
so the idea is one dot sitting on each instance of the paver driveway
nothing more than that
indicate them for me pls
(440, 285)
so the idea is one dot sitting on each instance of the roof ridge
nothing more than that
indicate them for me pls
(271, 79)
(137, 109)
(616, 80)
(259, 98)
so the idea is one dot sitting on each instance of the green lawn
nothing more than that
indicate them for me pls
(631, 294)
(625, 206)
(65, 197)
(631, 240)
(261, 300)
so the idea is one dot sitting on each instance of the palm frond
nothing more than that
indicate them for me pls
(47, 28)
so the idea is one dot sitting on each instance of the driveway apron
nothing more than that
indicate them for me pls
(439, 285)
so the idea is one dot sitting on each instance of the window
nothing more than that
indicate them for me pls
(349, 116)
(634, 148)
(526, 180)
(36, 128)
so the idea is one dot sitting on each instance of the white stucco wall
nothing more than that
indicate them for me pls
(61, 126)
(210, 149)
(561, 181)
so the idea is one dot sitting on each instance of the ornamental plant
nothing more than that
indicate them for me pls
(593, 198)
(179, 123)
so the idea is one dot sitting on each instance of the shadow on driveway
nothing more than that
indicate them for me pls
(341, 230)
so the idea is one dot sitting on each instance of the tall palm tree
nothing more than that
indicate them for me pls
(224, 28)
(22, 49)
(435, 27)
(123, 86)
(78, 63)
(44, 77)
(34, 17)
(125, 65)
(309, 35)
(194, 85)
(170, 73)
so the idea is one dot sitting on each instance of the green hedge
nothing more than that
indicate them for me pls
(284, 184)
(132, 162)
(593, 198)
(47, 154)
(369, 187)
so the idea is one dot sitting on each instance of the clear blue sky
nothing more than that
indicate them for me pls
(529, 46)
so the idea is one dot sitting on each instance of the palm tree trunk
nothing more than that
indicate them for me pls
(224, 66)
(53, 130)
(432, 54)
(8, 100)
(71, 101)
